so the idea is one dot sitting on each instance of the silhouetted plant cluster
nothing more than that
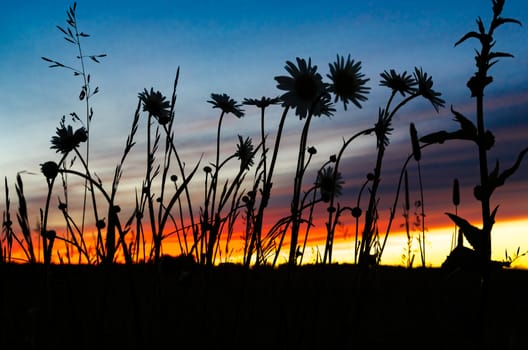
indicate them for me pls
(238, 188)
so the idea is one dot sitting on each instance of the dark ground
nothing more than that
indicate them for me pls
(229, 307)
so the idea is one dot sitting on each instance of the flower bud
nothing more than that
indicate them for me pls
(50, 170)
(415, 143)
(456, 193)
(312, 150)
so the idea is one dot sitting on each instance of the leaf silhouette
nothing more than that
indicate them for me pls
(62, 30)
(493, 55)
(465, 124)
(500, 21)
(435, 137)
(496, 180)
(467, 36)
(474, 235)
(481, 26)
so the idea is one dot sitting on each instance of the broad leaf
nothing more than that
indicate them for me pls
(474, 235)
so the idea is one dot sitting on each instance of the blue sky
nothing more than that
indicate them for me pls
(237, 47)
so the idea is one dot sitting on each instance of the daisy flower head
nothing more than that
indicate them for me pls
(156, 105)
(304, 87)
(263, 102)
(425, 88)
(245, 152)
(226, 104)
(67, 140)
(329, 183)
(348, 83)
(402, 83)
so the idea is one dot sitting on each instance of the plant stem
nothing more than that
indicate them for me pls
(422, 247)
(331, 220)
(295, 210)
(266, 192)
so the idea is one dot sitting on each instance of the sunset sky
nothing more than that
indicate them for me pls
(237, 48)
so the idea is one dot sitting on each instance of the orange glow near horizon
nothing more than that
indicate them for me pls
(507, 237)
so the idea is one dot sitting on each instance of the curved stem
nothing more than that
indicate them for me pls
(217, 162)
(396, 199)
(330, 225)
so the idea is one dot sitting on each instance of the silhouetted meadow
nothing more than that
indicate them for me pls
(104, 278)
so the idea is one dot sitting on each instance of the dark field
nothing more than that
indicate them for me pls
(229, 307)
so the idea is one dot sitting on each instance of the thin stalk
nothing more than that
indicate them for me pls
(86, 88)
(330, 233)
(299, 173)
(266, 192)
(368, 228)
(148, 188)
(44, 222)
(422, 246)
(396, 198)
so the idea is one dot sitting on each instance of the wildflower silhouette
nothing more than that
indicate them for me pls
(261, 103)
(67, 140)
(425, 88)
(304, 89)
(347, 84)
(226, 104)
(255, 220)
(245, 152)
(158, 205)
(156, 105)
(329, 184)
(211, 218)
(310, 97)
(307, 94)
(74, 36)
(402, 83)
(420, 85)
